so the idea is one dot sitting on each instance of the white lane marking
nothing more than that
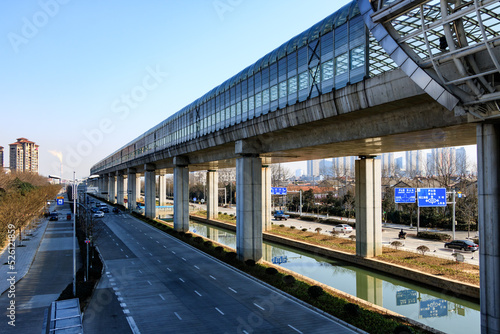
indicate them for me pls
(181, 280)
(199, 294)
(173, 252)
(126, 311)
(115, 289)
(140, 271)
(107, 272)
(169, 269)
(144, 248)
(113, 284)
(133, 262)
(150, 254)
(157, 242)
(126, 256)
(219, 311)
(233, 290)
(123, 304)
(120, 299)
(196, 267)
(138, 242)
(183, 259)
(178, 316)
(150, 237)
(133, 326)
(295, 329)
(149, 283)
(244, 331)
(161, 296)
(117, 244)
(164, 246)
(263, 309)
(118, 293)
(212, 277)
(158, 261)
(121, 249)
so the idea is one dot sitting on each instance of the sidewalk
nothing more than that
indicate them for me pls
(23, 255)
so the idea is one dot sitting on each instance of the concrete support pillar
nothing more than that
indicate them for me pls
(369, 288)
(100, 185)
(105, 187)
(181, 194)
(488, 180)
(138, 187)
(162, 189)
(131, 188)
(119, 188)
(149, 191)
(111, 187)
(125, 190)
(266, 198)
(368, 207)
(249, 207)
(212, 194)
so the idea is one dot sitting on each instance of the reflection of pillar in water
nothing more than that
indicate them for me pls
(212, 233)
(267, 252)
(369, 288)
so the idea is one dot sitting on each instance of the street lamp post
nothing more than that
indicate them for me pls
(74, 233)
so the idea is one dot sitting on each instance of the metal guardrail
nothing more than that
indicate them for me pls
(65, 318)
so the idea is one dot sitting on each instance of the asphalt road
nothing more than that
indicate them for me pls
(165, 286)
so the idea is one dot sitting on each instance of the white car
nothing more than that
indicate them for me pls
(99, 214)
(344, 228)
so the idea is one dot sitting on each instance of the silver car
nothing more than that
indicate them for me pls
(343, 228)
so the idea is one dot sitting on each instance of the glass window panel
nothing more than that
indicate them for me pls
(341, 63)
(238, 108)
(315, 75)
(357, 57)
(292, 85)
(251, 103)
(233, 111)
(217, 118)
(244, 105)
(327, 70)
(265, 96)
(282, 89)
(228, 112)
(303, 80)
(258, 100)
(274, 93)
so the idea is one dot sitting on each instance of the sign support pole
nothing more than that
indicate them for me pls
(418, 219)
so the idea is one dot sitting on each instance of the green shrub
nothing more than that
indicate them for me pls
(188, 235)
(208, 243)
(219, 249)
(396, 244)
(315, 291)
(402, 329)
(225, 213)
(292, 227)
(271, 271)
(231, 256)
(304, 229)
(434, 236)
(281, 225)
(250, 263)
(198, 240)
(423, 249)
(288, 279)
(351, 310)
(182, 234)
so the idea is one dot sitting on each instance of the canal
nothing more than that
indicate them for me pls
(441, 311)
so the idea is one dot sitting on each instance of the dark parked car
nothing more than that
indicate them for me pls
(116, 210)
(465, 245)
(54, 216)
(105, 209)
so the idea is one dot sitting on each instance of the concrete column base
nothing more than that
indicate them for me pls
(266, 198)
(150, 192)
(368, 207)
(131, 189)
(212, 194)
(120, 188)
(162, 190)
(249, 208)
(488, 180)
(111, 188)
(181, 198)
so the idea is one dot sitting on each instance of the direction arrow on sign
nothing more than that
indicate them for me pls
(404, 195)
(431, 197)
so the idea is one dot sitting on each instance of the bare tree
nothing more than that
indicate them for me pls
(279, 174)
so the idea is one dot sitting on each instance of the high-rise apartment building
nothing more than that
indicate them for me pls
(414, 163)
(24, 156)
(313, 168)
(1, 156)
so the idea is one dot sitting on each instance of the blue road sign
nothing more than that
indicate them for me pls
(431, 197)
(60, 201)
(404, 195)
(433, 308)
(406, 297)
(279, 259)
(278, 190)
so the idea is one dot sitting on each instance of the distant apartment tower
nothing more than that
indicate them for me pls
(398, 163)
(414, 163)
(343, 166)
(1, 156)
(313, 168)
(461, 161)
(24, 156)
(388, 167)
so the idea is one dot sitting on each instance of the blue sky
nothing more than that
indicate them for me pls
(83, 78)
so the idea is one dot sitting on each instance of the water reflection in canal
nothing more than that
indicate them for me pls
(438, 310)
